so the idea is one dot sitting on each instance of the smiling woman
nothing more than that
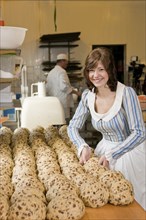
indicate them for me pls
(119, 52)
(101, 59)
(98, 76)
(116, 114)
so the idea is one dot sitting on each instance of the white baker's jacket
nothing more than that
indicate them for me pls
(58, 85)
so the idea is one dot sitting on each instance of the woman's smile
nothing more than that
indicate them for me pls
(98, 76)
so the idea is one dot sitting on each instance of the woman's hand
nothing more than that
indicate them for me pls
(85, 155)
(103, 161)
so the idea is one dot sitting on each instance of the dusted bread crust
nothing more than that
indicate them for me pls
(69, 207)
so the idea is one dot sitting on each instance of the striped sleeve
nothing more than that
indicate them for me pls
(77, 122)
(136, 125)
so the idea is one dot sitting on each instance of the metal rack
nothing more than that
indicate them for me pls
(62, 40)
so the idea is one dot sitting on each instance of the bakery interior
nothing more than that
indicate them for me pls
(32, 33)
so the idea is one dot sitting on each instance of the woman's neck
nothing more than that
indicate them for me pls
(103, 91)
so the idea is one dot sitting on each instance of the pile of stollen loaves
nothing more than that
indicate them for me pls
(41, 177)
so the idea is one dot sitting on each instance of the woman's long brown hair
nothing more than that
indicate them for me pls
(105, 56)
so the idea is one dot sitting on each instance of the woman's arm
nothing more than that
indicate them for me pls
(77, 122)
(135, 121)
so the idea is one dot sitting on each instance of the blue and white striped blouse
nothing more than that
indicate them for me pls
(123, 123)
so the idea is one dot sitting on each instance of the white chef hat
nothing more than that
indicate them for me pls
(62, 56)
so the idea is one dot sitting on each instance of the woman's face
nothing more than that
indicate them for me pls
(98, 76)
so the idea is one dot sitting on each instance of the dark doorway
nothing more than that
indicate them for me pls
(119, 56)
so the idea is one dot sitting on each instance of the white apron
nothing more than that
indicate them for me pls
(132, 165)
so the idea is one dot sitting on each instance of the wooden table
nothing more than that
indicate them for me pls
(110, 212)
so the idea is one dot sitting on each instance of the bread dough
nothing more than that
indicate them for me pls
(55, 178)
(94, 194)
(60, 186)
(6, 164)
(30, 208)
(51, 135)
(82, 178)
(4, 207)
(92, 167)
(121, 193)
(110, 176)
(28, 192)
(6, 187)
(20, 135)
(30, 182)
(5, 135)
(65, 207)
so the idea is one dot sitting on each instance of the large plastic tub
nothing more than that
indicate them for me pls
(42, 111)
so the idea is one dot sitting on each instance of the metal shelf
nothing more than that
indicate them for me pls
(58, 45)
(10, 52)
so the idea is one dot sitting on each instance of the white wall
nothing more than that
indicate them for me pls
(100, 22)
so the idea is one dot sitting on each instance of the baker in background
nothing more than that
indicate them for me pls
(58, 85)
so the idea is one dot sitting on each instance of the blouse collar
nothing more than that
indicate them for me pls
(113, 110)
